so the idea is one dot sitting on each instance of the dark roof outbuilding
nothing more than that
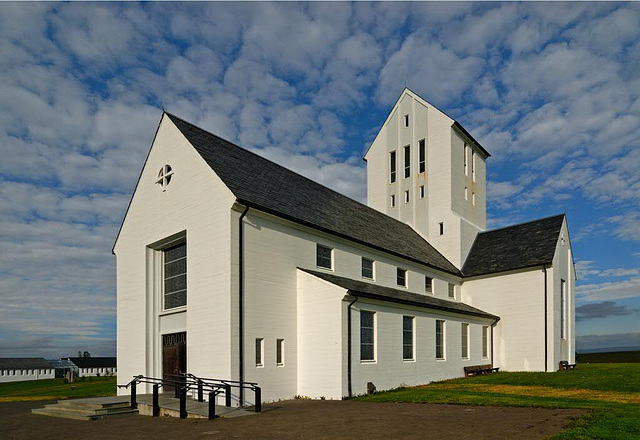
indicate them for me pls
(24, 364)
(94, 362)
(514, 247)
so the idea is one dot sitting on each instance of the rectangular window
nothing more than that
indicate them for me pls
(422, 191)
(406, 196)
(441, 228)
(439, 339)
(473, 197)
(401, 277)
(428, 284)
(367, 336)
(280, 352)
(473, 165)
(393, 200)
(452, 290)
(323, 256)
(422, 160)
(392, 167)
(175, 276)
(367, 268)
(407, 338)
(406, 120)
(466, 193)
(485, 341)
(465, 341)
(407, 161)
(259, 350)
(563, 305)
(466, 173)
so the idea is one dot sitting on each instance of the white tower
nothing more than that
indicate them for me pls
(425, 169)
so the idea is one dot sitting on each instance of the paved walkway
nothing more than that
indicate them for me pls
(306, 419)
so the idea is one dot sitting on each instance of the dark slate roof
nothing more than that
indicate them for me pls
(514, 247)
(24, 364)
(375, 291)
(94, 362)
(265, 185)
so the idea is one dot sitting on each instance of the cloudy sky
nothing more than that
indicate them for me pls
(551, 90)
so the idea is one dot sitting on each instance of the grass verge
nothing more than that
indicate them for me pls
(610, 391)
(49, 389)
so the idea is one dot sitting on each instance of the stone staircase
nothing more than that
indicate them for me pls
(88, 409)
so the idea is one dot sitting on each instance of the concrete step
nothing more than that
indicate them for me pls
(85, 409)
(62, 413)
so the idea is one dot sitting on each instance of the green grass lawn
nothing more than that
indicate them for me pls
(56, 389)
(610, 391)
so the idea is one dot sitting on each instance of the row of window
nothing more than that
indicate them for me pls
(422, 161)
(368, 338)
(260, 352)
(324, 259)
(24, 372)
(407, 196)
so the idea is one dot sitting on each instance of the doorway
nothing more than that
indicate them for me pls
(174, 358)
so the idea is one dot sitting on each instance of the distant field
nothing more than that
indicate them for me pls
(50, 389)
(611, 391)
(618, 356)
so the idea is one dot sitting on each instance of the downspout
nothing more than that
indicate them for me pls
(241, 302)
(544, 269)
(493, 324)
(349, 345)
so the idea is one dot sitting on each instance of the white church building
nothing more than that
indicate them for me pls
(231, 266)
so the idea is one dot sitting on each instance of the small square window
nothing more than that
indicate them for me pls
(401, 277)
(393, 200)
(367, 268)
(428, 284)
(406, 196)
(422, 191)
(452, 290)
(406, 120)
(323, 256)
(441, 228)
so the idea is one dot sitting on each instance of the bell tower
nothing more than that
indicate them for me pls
(426, 170)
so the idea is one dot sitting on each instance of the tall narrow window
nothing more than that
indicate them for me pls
(280, 352)
(563, 305)
(175, 276)
(259, 350)
(485, 341)
(441, 228)
(323, 256)
(367, 268)
(473, 197)
(392, 166)
(406, 196)
(393, 200)
(439, 339)
(422, 160)
(367, 336)
(452, 290)
(401, 277)
(473, 165)
(428, 284)
(464, 159)
(466, 193)
(422, 191)
(465, 341)
(406, 120)
(407, 161)
(407, 338)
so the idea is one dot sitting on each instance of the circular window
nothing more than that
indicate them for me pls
(164, 176)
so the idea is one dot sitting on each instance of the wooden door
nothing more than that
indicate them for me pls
(174, 357)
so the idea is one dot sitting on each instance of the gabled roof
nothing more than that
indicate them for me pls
(269, 187)
(375, 291)
(94, 362)
(514, 247)
(24, 364)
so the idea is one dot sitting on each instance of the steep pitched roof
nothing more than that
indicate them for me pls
(375, 291)
(514, 247)
(94, 362)
(265, 185)
(24, 364)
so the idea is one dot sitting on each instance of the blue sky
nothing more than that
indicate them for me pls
(551, 90)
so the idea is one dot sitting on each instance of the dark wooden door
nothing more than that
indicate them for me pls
(174, 357)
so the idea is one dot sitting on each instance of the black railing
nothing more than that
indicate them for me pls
(184, 383)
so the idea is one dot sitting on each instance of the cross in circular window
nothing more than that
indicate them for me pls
(164, 176)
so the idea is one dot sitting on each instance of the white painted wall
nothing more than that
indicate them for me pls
(195, 202)
(23, 375)
(102, 371)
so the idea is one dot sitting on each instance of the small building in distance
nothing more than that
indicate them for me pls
(21, 369)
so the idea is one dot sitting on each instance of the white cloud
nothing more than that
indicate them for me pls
(629, 288)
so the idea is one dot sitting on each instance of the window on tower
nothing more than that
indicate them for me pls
(392, 167)
(422, 164)
(407, 161)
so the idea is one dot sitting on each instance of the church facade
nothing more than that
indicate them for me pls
(231, 266)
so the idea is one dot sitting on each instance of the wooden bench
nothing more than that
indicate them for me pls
(565, 365)
(476, 370)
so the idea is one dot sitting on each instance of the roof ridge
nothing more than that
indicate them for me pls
(405, 225)
(522, 223)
